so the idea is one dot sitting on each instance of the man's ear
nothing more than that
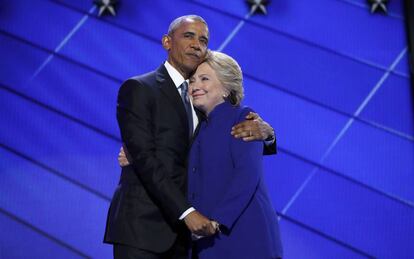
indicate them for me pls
(166, 42)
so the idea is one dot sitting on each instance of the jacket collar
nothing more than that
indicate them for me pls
(168, 88)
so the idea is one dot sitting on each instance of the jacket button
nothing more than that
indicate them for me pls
(194, 169)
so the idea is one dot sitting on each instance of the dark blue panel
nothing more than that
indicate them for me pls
(291, 58)
(81, 5)
(283, 175)
(404, 66)
(239, 8)
(301, 127)
(331, 25)
(303, 69)
(53, 205)
(299, 242)
(154, 21)
(113, 51)
(20, 241)
(356, 216)
(78, 92)
(394, 7)
(376, 158)
(392, 105)
(77, 152)
(18, 61)
(43, 22)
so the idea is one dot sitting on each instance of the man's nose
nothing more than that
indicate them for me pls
(195, 44)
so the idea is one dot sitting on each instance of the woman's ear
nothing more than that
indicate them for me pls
(225, 94)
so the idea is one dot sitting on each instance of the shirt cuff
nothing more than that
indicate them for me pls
(188, 211)
(269, 142)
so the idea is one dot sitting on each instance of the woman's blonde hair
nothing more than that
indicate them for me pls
(229, 74)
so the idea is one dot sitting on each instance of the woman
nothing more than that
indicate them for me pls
(225, 178)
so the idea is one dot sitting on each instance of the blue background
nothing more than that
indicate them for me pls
(331, 78)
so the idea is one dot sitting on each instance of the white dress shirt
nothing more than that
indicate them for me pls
(178, 79)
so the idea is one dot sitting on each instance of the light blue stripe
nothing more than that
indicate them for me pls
(344, 129)
(234, 32)
(299, 190)
(363, 104)
(391, 130)
(63, 42)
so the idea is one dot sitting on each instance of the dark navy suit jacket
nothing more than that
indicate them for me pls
(225, 183)
(151, 196)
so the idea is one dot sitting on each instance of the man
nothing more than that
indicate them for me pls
(149, 215)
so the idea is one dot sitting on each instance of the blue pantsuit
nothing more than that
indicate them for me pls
(225, 183)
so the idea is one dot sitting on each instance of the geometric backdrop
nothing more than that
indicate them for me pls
(330, 77)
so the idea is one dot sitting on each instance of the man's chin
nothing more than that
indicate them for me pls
(191, 67)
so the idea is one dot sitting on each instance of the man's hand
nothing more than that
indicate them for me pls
(199, 225)
(253, 128)
(122, 158)
(215, 225)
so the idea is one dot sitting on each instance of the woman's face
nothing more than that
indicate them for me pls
(205, 89)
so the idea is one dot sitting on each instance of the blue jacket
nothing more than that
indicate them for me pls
(225, 183)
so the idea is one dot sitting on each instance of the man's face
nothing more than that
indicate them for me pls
(187, 46)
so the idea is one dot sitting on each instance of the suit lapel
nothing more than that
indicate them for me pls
(201, 118)
(169, 89)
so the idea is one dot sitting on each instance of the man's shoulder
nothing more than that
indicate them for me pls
(138, 85)
(145, 79)
(145, 83)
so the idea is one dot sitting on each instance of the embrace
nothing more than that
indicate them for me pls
(192, 183)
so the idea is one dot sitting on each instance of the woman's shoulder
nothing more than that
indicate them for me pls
(241, 112)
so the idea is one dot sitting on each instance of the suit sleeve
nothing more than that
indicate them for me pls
(270, 149)
(247, 173)
(134, 115)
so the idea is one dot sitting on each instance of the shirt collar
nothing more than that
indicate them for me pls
(177, 78)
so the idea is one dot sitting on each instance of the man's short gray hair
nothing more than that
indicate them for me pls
(229, 74)
(177, 22)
